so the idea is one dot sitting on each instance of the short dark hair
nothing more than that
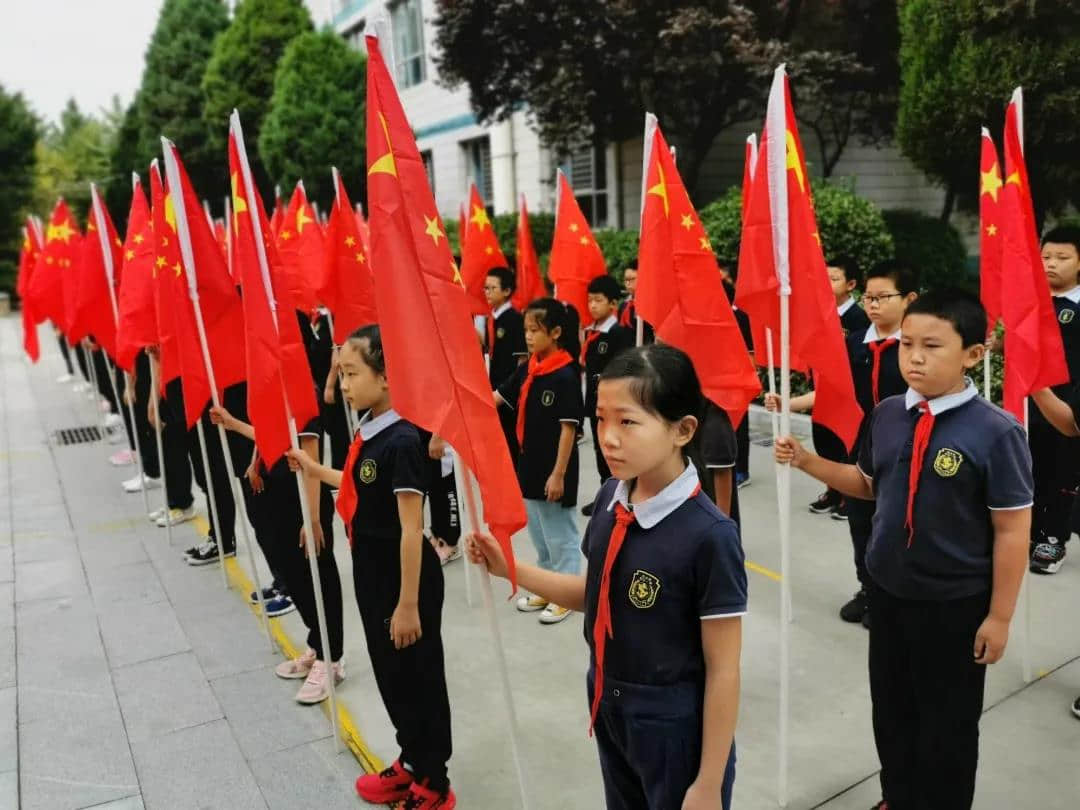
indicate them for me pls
(630, 266)
(505, 276)
(905, 276)
(850, 267)
(1063, 235)
(550, 313)
(605, 286)
(959, 307)
(372, 354)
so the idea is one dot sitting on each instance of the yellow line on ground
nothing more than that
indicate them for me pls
(765, 572)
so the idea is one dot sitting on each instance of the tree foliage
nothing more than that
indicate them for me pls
(240, 73)
(317, 117)
(18, 134)
(70, 156)
(960, 62)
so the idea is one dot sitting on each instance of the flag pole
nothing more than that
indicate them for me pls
(294, 439)
(184, 235)
(467, 482)
(646, 155)
(156, 394)
(986, 374)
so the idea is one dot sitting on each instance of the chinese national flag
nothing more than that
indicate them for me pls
(300, 249)
(1034, 354)
(990, 237)
(362, 227)
(99, 273)
(55, 276)
(680, 290)
(137, 328)
(480, 253)
(278, 216)
(757, 330)
(530, 285)
(222, 237)
(202, 276)
(575, 257)
(278, 375)
(166, 265)
(28, 256)
(781, 254)
(427, 330)
(347, 288)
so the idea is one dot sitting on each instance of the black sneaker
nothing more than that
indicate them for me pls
(854, 610)
(205, 554)
(190, 551)
(866, 619)
(1076, 707)
(840, 512)
(267, 594)
(825, 503)
(1048, 557)
(586, 510)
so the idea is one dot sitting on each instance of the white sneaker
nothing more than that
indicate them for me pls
(141, 482)
(64, 378)
(111, 419)
(115, 436)
(531, 604)
(80, 386)
(553, 614)
(122, 458)
(154, 516)
(177, 516)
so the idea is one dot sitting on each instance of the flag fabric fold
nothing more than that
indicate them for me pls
(575, 259)
(93, 312)
(990, 237)
(480, 253)
(530, 284)
(55, 277)
(346, 288)
(28, 257)
(137, 326)
(300, 250)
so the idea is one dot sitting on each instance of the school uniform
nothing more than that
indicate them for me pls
(319, 345)
(552, 400)
(680, 563)
(504, 342)
(442, 493)
(603, 341)
(411, 681)
(826, 443)
(174, 444)
(65, 352)
(931, 581)
(148, 453)
(875, 372)
(627, 317)
(720, 449)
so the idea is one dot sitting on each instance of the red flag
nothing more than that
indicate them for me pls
(530, 285)
(99, 270)
(203, 278)
(680, 290)
(575, 257)
(427, 332)
(362, 227)
(300, 249)
(781, 253)
(279, 213)
(463, 226)
(28, 256)
(347, 288)
(166, 265)
(54, 278)
(758, 335)
(480, 254)
(137, 328)
(989, 231)
(222, 237)
(1034, 354)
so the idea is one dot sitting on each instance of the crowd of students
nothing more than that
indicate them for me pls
(945, 497)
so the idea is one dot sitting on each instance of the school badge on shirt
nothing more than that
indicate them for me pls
(500, 333)
(547, 399)
(947, 462)
(601, 347)
(644, 588)
(1066, 315)
(368, 470)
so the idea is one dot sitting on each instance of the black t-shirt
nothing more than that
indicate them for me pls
(669, 576)
(391, 461)
(890, 381)
(509, 346)
(720, 449)
(1068, 316)
(977, 460)
(601, 351)
(319, 344)
(553, 399)
(854, 319)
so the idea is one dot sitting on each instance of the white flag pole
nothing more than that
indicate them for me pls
(172, 170)
(156, 394)
(350, 417)
(110, 275)
(305, 508)
(646, 156)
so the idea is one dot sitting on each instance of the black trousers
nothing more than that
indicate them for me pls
(601, 464)
(174, 448)
(336, 426)
(860, 526)
(508, 420)
(742, 445)
(101, 369)
(1055, 466)
(80, 359)
(125, 413)
(148, 453)
(649, 741)
(927, 694)
(411, 681)
(65, 352)
(443, 503)
(829, 446)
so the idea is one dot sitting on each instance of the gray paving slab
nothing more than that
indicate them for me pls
(164, 695)
(7, 561)
(9, 790)
(149, 632)
(129, 803)
(7, 604)
(9, 751)
(131, 585)
(303, 776)
(220, 648)
(49, 579)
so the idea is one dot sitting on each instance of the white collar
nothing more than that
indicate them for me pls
(663, 503)
(939, 405)
(604, 325)
(844, 307)
(872, 334)
(1073, 294)
(495, 313)
(371, 426)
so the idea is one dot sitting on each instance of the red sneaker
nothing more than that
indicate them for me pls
(390, 785)
(420, 798)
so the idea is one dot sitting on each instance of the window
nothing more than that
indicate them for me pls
(429, 167)
(586, 170)
(478, 167)
(355, 36)
(408, 26)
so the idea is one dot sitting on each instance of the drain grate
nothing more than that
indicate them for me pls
(77, 435)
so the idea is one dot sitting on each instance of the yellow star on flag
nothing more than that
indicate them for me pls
(573, 227)
(433, 230)
(660, 190)
(705, 244)
(687, 221)
(360, 258)
(238, 202)
(90, 227)
(170, 216)
(48, 260)
(160, 261)
(63, 232)
(990, 182)
(793, 160)
(584, 240)
(285, 235)
(137, 239)
(176, 269)
(129, 255)
(489, 250)
(349, 241)
(302, 219)
(457, 274)
(385, 164)
(991, 230)
(1014, 178)
(479, 217)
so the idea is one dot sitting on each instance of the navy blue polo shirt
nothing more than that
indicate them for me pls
(391, 461)
(890, 381)
(720, 448)
(1067, 308)
(681, 564)
(977, 461)
(553, 399)
(601, 350)
(853, 318)
(509, 345)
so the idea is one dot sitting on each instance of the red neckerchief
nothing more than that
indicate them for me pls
(923, 428)
(591, 335)
(876, 348)
(602, 627)
(537, 368)
(491, 334)
(627, 316)
(347, 495)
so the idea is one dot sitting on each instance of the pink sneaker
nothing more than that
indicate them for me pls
(122, 458)
(315, 689)
(296, 668)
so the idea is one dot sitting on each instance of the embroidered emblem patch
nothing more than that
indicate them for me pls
(1066, 315)
(500, 333)
(601, 347)
(947, 462)
(644, 588)
(547, 398)
(368, 470)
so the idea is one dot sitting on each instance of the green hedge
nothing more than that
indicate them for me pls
(933, 246)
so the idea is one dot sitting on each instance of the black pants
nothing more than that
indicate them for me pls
(125, 412)
(411, 681)
(175, 448)
(601, 464)
(1055, 467)
(443, 503)
(101, 369)
(927, 695)
(80, 359)
(860, 525)
(508, 420)
(829, 446)
(649, 741)
(65, 352)
(336, 427)
(148, 453)
(742, 445)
